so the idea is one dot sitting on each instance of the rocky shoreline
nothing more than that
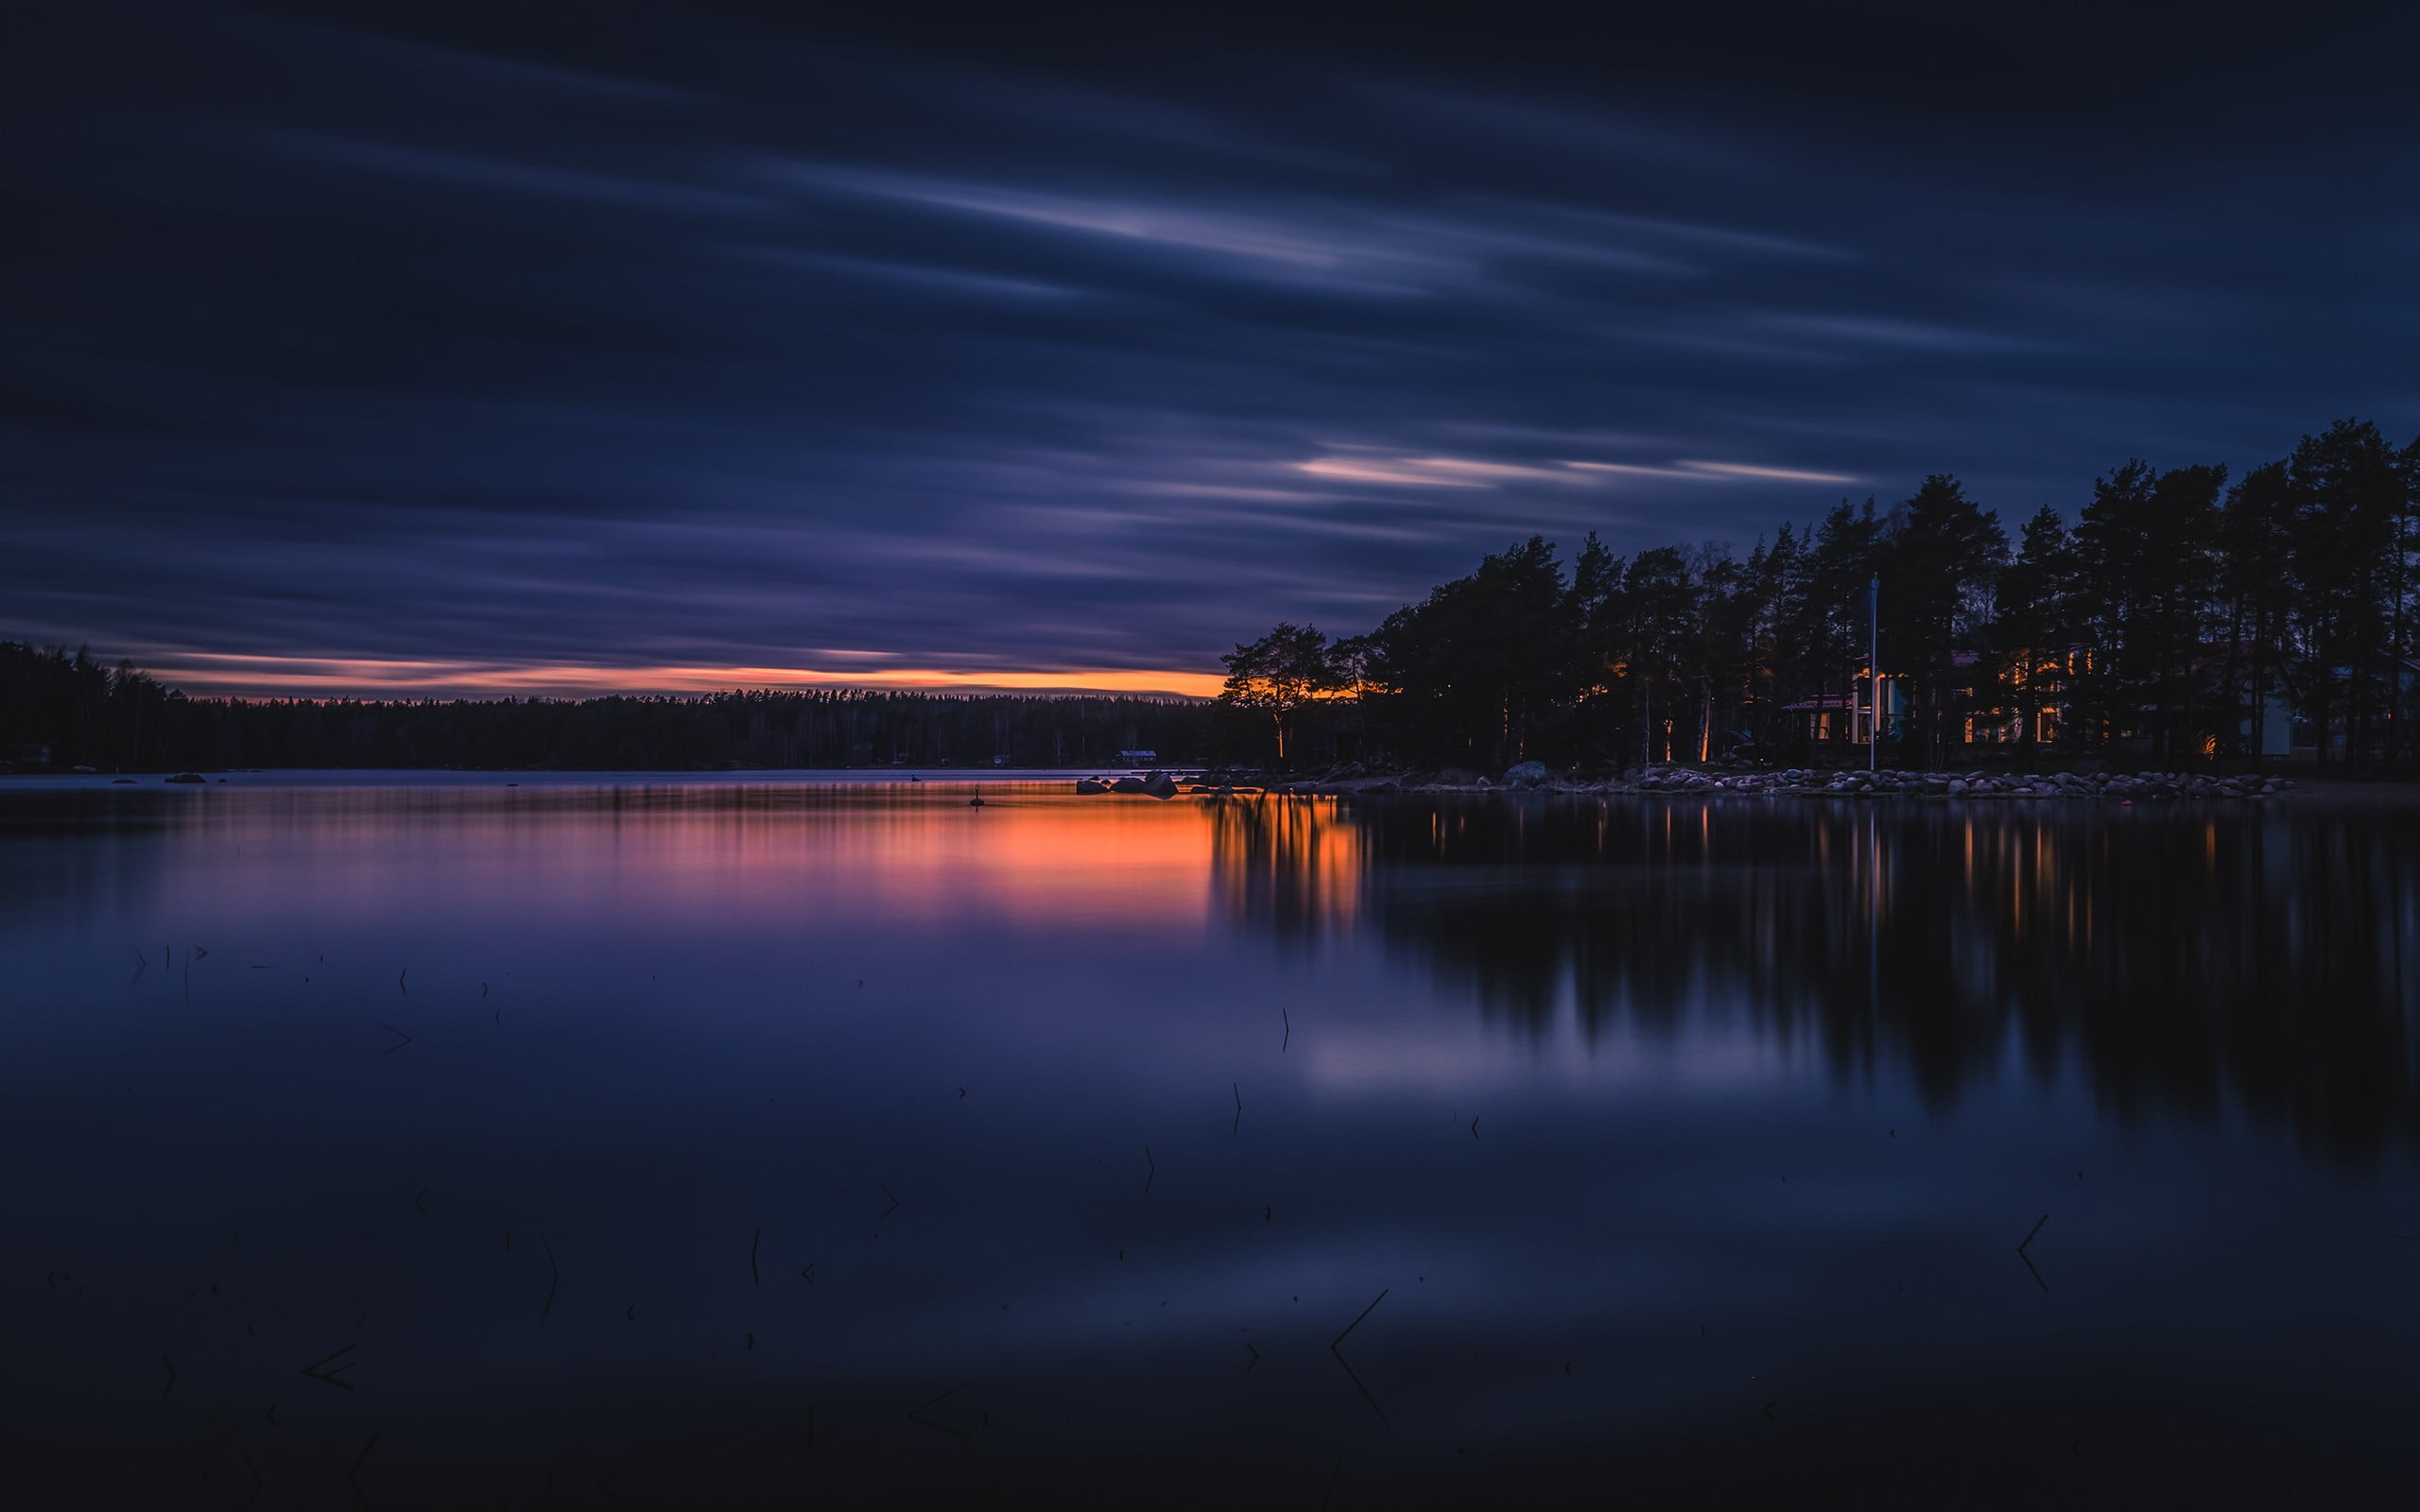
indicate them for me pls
(1534, 777)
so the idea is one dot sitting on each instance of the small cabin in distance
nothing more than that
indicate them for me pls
(1138, 758)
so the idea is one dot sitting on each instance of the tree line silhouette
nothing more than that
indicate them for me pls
(2181, 616)
(59, 711)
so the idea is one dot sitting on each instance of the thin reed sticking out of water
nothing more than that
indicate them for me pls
(1333, 1349)
(914, 1413)
(318, 1370)
(2028, 1259)
(352, 1474)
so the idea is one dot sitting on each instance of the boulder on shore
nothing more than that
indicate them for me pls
(1526, 775)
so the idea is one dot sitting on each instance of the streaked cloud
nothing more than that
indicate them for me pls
(404, 360)
(518, 179)
(1903, 335)
(1778, 474)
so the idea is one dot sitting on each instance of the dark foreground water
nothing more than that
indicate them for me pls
(721, 1144)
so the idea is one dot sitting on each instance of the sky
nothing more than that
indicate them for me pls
(558, 349)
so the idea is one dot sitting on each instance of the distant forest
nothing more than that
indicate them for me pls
(59, 711)
(2180, 617)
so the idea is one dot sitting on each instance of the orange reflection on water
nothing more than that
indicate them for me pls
(1293, 865)
(1033, 854)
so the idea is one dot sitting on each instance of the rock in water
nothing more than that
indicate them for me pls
(184, 777)
(1127, 785)
(974, 803)
(1528, 774)
(1085, 784)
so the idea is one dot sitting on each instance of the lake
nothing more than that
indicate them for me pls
(425, 1141)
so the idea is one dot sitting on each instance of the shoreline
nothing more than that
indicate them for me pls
(1656, 782)
(2123, 787)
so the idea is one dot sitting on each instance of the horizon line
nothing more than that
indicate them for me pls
(226, 675)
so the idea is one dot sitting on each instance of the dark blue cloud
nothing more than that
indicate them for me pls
(691, 340)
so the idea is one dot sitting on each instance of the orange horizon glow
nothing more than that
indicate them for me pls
(228, 675)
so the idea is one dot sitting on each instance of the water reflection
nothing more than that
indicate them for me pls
(890, 854)
(2188, 958)
(1644, 1116)
(1290, 869)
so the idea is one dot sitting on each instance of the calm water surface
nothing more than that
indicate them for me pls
(664, 1143)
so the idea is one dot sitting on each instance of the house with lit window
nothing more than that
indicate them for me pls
(1848, 717)
(2028, 702)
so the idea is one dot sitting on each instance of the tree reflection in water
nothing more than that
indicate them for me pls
(2188, 960)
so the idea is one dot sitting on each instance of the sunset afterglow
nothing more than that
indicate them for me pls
(262, 677)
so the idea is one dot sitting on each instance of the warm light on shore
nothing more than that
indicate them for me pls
(270, 677)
